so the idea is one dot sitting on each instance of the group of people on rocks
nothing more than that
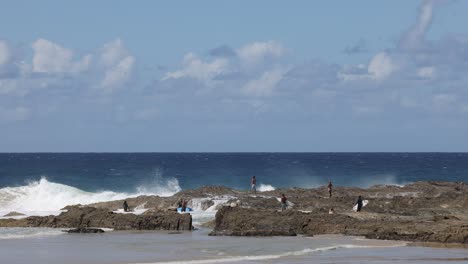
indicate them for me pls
(253, 188)
(284, 199)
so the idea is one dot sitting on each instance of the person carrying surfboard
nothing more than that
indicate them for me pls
(125, 206)
(359, 204)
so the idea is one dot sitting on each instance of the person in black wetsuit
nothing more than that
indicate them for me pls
(125, 206)
(330, 186)
(359, 204)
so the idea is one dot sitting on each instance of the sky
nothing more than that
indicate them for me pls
(240, 76)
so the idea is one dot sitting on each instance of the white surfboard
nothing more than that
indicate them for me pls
(364, 203)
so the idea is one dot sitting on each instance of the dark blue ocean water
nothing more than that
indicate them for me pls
(126, 171)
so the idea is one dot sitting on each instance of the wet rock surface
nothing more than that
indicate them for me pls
(84, 230)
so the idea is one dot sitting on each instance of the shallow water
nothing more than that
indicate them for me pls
(197, 247)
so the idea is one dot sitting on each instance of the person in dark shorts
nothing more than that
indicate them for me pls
(253, 186)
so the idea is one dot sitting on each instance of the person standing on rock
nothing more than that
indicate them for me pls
(125, 206)
(184, 205)
(330, 186)
(253, 187)
(284, 202)
(359, 204)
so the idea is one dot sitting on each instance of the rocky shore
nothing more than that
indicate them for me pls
(422, 211)
(87, 216)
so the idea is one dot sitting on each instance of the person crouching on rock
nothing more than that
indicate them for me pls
(179, 204)
(359, 204)
(284, 202)
(253, 187)
(125, 206)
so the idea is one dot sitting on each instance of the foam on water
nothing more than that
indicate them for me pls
(44, 197)
(200, 214)
(302, 252)
(27, 232)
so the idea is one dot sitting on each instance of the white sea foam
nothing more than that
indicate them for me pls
(201, 215)
(265, 187)
(44, 197)
(263, 257)
(27, 232)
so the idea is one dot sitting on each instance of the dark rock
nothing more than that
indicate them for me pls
(91, 217)
(84, 230)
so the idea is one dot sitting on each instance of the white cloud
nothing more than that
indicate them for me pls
(256, 52)
(196, 68)
(117, 64)
(414, 37)
(264, 85)
(50, 57)
(381, 66)
(118, 75)
(14, 114)
(113, 52)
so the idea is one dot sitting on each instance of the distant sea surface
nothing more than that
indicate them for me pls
(31, 182)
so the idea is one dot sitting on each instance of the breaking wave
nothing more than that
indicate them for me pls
(45, 197)
(265, 187)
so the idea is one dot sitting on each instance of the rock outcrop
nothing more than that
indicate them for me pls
(84, 230)
(11, 214)
(423, 211)
(83, 217)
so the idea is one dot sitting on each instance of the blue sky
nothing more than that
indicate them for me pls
(234, 76)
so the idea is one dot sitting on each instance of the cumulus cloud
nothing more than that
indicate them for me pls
(265, 85)
(50, 57)
(381, 66)
(117, 75)
(256, 52)
(199, 69)
(117, 64)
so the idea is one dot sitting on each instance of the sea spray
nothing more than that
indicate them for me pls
(265, 187)
(44, 197)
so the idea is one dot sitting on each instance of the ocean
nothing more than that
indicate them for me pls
(43, 183)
